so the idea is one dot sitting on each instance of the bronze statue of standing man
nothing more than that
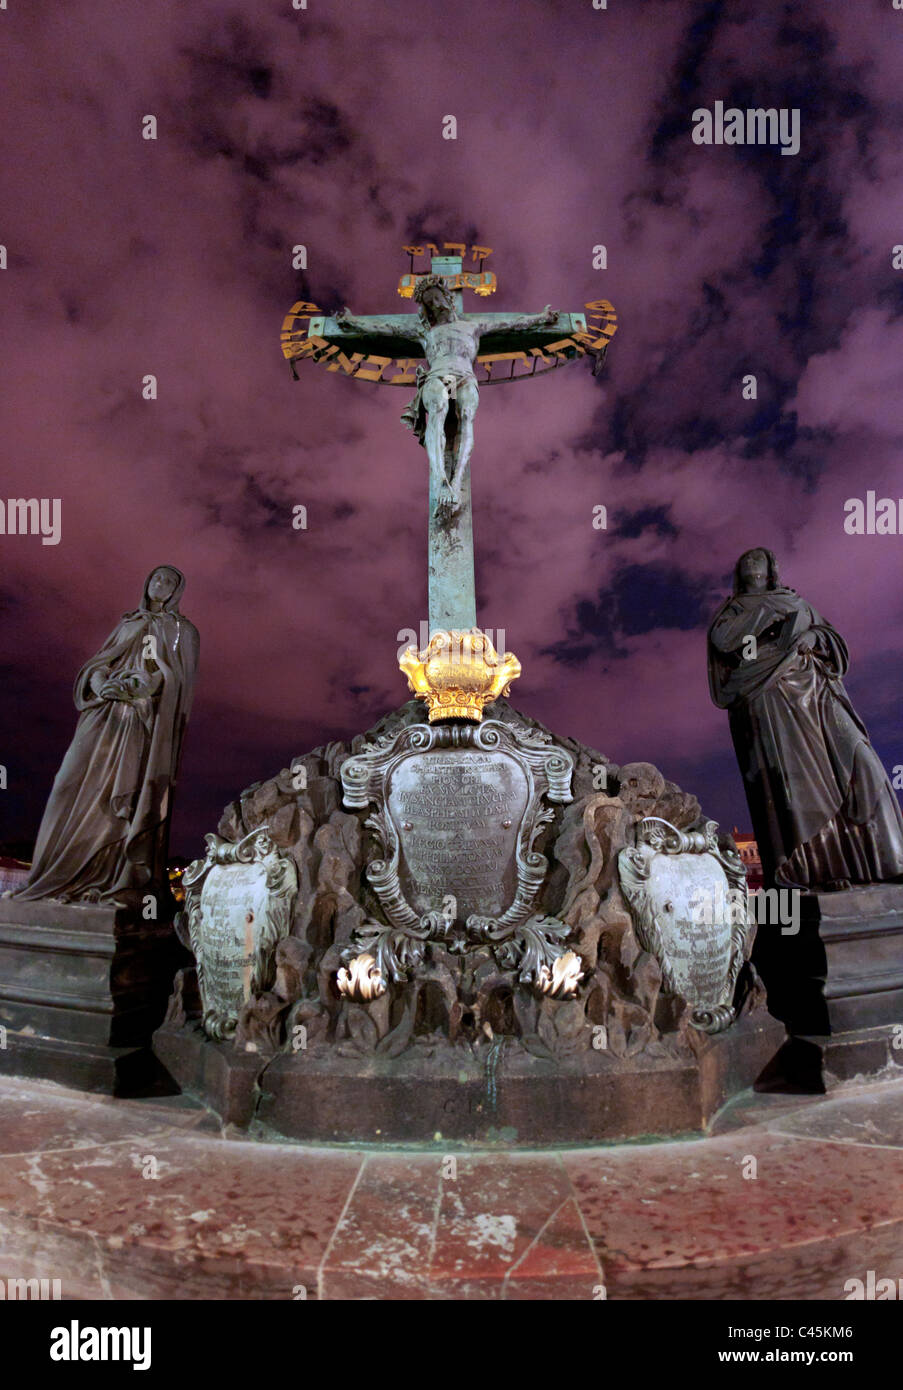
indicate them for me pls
(823, 810)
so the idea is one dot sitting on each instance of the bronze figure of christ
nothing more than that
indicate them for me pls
(443, 409)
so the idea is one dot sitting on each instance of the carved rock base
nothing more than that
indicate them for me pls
(465, 962)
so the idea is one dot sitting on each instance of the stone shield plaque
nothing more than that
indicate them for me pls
(238, 902)
(458, 812)
(698, 951)
(687, 898)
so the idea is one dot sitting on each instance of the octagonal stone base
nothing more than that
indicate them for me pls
(507, 1097)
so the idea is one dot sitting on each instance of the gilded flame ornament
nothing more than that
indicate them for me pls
(565, 975)
(361, 979)
(459, 673)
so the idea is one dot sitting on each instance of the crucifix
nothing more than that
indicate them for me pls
(445, 347)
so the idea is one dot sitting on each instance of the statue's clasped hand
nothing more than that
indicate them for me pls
(117, 688)
(103, 685)
(128, 687)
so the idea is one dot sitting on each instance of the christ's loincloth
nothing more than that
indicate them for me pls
(414, 413)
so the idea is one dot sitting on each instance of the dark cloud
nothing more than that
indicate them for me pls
(658, 596)
(633, 524)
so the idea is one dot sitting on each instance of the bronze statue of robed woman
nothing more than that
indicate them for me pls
(823, 809)
(104, 835)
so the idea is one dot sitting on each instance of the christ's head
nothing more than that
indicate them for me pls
(435, 300)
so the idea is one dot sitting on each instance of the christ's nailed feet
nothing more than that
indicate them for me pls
(448, 505)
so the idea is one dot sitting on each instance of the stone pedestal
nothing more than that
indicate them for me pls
(82, 987)
(503, 1097)
(862, 933)
(838, 983)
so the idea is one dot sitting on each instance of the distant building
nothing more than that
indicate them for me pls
(749, 853)
(13, 874)
(175, 869)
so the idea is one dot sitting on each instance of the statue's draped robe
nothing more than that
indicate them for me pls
(105, 824)
(822, 806)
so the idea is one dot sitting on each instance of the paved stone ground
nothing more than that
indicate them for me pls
(228, 1218)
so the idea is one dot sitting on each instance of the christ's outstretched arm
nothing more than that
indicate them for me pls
(519, 322)
(379, 328)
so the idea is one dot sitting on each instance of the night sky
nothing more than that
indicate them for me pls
(323, 127)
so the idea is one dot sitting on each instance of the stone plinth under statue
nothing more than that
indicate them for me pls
(464, 958)
(837, 984)
(82, 987)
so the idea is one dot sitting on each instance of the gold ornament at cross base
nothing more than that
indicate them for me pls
(361, 979)
(459, 673)
(565, 975)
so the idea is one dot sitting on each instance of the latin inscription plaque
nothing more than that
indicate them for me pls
(458, 812)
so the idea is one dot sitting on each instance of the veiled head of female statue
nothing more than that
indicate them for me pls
(163, 588)
(755, 572)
